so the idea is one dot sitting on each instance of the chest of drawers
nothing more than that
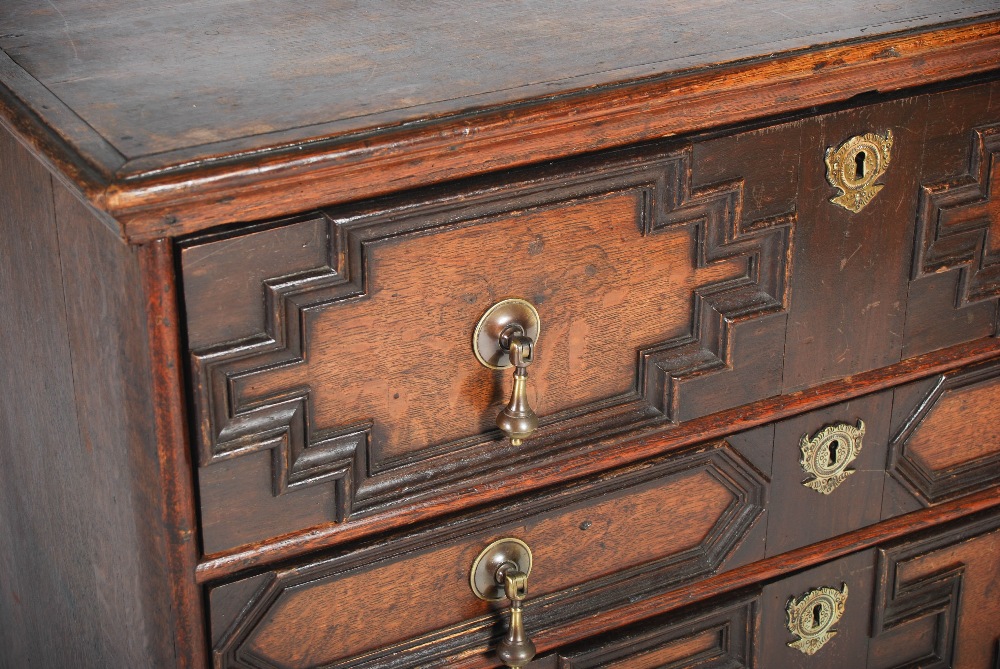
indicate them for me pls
(265, 268)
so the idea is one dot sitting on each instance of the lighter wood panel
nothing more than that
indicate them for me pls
(936, 604)
(963, 425)
(702, 645)
(401, 356)
(329, 619)
(978, 605)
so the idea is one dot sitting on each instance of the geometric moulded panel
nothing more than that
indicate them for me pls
(950, 445)
(585, 560)
(358, 374)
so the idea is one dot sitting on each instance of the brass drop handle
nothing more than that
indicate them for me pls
(501, 570)
(506, 336)
(517, 419)
(516, 649)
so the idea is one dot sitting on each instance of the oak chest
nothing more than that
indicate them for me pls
(562, 336)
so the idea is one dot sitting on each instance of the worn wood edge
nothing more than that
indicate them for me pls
(593, 457)
(550, 89)
(752, 574)
(197, 191)
(35, 116)
(325, 172)
(176, 466)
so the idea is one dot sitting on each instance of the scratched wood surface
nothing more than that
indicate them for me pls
(175, 117)
(95, 568)
(165, 76)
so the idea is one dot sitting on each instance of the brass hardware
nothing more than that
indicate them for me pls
(506, 335)
(828, 452)
(855, 166)
(502, 570)
(812, 617)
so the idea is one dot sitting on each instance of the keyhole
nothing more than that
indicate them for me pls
(816, 611)
(834, 445)
(859, 165)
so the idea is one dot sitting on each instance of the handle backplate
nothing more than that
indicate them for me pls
(492, 327)
(511, 554)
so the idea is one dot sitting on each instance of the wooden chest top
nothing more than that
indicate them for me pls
(176, 117)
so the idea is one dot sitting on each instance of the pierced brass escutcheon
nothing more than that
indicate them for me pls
(827, 453)
(812, 617)
(855, 166)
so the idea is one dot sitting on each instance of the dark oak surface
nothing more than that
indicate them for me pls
(771, 568)
(720, 634)
(243, 246)
(130, 100)
(936, 602)
(945, 442)
(585, 552)
(849, 647)
(612, 451)
(94, 553)
(164, 77)
(800, 515)
(922, 613)
(158, 78)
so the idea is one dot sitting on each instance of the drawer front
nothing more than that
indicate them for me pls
(936, 602)
(827, 472)
(603, 544)
(407, 601)
(331, 361)
(792, 602)
(715, 636)
(747, 630)
(946, 439)
(925, 602)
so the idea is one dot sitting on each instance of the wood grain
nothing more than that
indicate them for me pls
(353, 383)
(717, 634)
(939, 309)
(356, 66)
(935, 602)
(176, 482)
(44, 553)
(313, 406)
(800, 515)
(850, 287)
(255, 161)
(333, 619)
(613, 451)
(943, 446)
(962, 426)
(849, 647)
(586, 266)
(754, 574)
(84, 573)
(583, 537)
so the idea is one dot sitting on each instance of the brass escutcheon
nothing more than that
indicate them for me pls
(855, 166)
(812, 617)
(827, 453)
